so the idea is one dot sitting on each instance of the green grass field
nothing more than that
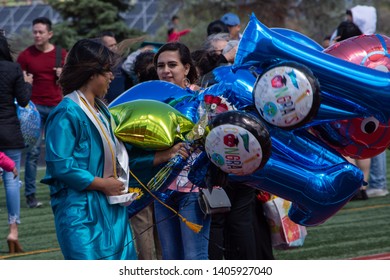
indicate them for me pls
(361, 228)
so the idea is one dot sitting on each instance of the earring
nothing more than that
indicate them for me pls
(186, 82)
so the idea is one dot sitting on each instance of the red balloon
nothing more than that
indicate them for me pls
(361, 137)
(371, 51)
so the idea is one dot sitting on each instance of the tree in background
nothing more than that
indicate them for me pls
(88, 18)
(315, 19)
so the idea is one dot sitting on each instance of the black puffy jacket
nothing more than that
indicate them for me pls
(12, 86)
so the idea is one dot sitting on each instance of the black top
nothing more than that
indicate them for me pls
(12, 86)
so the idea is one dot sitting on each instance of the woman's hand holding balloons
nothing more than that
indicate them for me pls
(166, 155)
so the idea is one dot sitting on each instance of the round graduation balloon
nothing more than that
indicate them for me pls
(150, 124)
(365, 89)
(238, 143)
(287, 95)
(302, 169)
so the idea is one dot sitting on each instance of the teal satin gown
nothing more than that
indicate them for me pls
(87, 226)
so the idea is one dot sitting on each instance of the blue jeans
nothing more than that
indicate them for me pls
(377, 178)
(12, 187)
(34, 152)
(178, 242)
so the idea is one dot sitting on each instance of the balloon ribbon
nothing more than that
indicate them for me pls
(194, 227)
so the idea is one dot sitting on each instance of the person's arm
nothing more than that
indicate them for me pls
(22, 88)
(183, 32)
(145, 164)
(6, 163)
(109, 186)
(164, 156)
(231, 50)
(65, 132)
(128, 64)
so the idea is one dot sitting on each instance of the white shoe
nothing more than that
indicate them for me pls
(377, 192)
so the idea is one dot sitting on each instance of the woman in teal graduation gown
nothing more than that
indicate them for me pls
(86, 164)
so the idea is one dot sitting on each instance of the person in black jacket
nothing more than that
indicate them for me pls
(12, 86)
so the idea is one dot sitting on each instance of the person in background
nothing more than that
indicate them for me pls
(232, 21)
(174, 33)
(216, 50)
(362, 20)
(174, 23)
(326, 41)
(8, 164)
(144, 68)
(345, 30)
(128, 64)
(84, 160)
(243, 232)
(43, 63)
(13, 87)
(365, 18)
(377, 182)
(216, 42)
(205, 62)
(217, 26)
(143, 223)
(121, 81)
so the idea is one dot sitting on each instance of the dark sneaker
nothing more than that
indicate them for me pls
(32, 202)
(360, 195)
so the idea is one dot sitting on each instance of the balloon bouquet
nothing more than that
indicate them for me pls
(280, 119)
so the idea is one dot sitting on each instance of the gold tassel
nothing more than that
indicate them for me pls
(192, 226)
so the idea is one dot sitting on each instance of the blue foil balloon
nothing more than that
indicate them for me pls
(359, 137)
(236, 87)
(360, 85)
(317, 180)
(298, 37)
(189, 108)
(155, 90)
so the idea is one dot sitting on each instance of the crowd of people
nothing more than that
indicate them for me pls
(84, 158)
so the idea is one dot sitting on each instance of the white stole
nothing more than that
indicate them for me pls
(115, 154)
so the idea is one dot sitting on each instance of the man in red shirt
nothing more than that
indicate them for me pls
(43, 63)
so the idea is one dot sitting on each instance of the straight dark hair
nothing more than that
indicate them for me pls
(185, 58)
(85, 59)
(5, 51)
(43, 20)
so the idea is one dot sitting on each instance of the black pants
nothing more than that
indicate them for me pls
(238, 235)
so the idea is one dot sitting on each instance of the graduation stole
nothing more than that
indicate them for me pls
(116, 159)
